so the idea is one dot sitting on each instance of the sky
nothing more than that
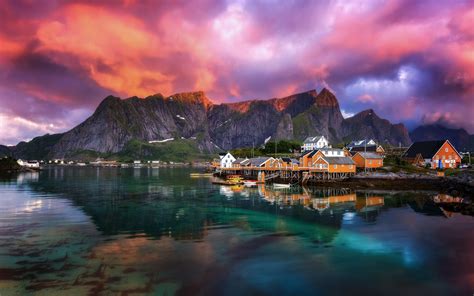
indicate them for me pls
(410, 61)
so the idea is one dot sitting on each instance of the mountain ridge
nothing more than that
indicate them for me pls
(192, 115)
(460, 138)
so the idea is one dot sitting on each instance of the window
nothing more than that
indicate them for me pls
(444, 157)
(446, 149)
(350, 166)
(370, 161)
(335, 166)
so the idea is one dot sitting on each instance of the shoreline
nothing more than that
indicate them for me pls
(446, 185)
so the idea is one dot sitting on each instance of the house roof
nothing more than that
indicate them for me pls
(239, 160)
(309, 140)
(361, 143)
(363, 148)
(258, 161)
(329, 149)
(370, 155)
(290, 160)
(339, 160)
(427, 149)
(309, 153)
(245, 162)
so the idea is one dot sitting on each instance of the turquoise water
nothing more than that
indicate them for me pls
(108, 231)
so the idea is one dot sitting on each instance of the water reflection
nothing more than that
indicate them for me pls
(114, 230)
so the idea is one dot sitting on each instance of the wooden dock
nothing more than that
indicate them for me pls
(301, 175)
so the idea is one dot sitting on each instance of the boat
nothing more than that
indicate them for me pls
(250, 183)
(200, 175)
(230, 180)
(281, 185)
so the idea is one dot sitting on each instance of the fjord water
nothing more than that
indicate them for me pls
(73, 231)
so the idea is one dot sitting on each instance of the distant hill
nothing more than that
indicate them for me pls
(119, 124)
(5, 151)
(459, 137)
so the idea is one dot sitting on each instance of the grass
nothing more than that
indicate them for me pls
(181, 150)
(302, 125)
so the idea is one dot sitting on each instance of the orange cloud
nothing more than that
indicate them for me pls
(119, 42)
(365, 98)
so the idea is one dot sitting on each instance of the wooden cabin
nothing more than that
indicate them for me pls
(307, 159)
(368, 160)
(342, 164)
(261, 162)
(435, 154)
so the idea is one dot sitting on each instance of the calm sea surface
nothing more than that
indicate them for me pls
(108, 231)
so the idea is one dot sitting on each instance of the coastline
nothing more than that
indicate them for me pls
(449, 185)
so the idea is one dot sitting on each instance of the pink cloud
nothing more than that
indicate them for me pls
(365, 98)
(70, 54)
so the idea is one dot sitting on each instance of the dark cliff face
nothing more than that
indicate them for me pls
(38, 148)
(323, 117)
(213, 127)
(367, 125)
(458, 137)
(252, 122)
(116, 122)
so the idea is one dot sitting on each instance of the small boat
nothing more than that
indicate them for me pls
(250, 183)
(281, 185)
(231, 180)
(200, 175)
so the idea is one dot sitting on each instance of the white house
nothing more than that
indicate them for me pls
(28, 163)
(226, 160)
(332, 152)
(311, 143)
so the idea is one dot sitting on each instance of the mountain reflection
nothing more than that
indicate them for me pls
(170, 204)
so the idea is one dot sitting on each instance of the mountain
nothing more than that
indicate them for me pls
(5, 151)
(458, 137)
(38, 148)
(367, 125)
(118, 126)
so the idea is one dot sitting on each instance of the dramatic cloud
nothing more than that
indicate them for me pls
(411, 61)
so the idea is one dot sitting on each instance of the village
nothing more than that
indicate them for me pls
(319, 161)
(315, 161)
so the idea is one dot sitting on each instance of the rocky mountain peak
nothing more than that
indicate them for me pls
(107, 103)
(193, 117)
(326, 99)
(367, 113)
(284, 103)
(197, 98)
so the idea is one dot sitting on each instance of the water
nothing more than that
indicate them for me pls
(107, 231)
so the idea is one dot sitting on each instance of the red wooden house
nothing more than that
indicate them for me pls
(436, 154)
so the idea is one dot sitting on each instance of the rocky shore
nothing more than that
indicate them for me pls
(460, 185)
